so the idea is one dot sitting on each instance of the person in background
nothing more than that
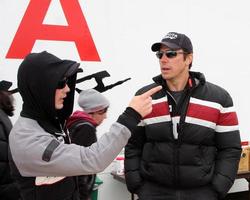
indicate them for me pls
(82, 130)
(44, 163)
(188, 147)
(8, 188)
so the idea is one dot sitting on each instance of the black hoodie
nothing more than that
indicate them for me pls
(38, 77)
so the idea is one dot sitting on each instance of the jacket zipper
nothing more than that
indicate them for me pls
(175, 154)
(177, 142)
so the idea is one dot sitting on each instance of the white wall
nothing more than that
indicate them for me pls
(123, 32)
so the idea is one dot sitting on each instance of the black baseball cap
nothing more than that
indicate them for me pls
(5, 85)
(174, 41)
(74, 68)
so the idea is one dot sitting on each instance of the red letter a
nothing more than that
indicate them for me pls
(32, 29)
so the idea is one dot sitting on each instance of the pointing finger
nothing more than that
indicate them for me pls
(152, 91)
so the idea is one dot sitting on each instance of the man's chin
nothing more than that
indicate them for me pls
(165, 76)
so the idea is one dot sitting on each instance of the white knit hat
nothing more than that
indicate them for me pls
(91, 101)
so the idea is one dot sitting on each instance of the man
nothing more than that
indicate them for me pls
(44, 162)
(188, 147)
(82, 130)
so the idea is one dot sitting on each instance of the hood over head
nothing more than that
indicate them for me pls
(38, 77)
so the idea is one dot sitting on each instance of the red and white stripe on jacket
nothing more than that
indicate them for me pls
(200, 112)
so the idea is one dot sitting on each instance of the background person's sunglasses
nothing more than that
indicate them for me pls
(169, 54)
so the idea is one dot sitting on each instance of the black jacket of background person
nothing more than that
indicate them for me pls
(8, 189)
(82, 131)
(43, 76)
(206, 152)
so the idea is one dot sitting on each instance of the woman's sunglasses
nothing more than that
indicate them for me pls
(169, 54)
(62, 83)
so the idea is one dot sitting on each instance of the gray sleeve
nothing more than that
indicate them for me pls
(28, 146)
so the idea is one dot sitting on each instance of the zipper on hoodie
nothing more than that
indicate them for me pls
(63, 136)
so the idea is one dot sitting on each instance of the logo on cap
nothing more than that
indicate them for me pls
(171, 36)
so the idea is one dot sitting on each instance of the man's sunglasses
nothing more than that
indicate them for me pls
(169, 54)
(62, 83)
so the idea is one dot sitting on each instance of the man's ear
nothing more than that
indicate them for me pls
(189, 59)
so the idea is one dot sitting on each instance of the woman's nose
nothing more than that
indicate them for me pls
(66, 88)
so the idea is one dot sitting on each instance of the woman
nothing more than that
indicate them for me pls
(8, 189)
